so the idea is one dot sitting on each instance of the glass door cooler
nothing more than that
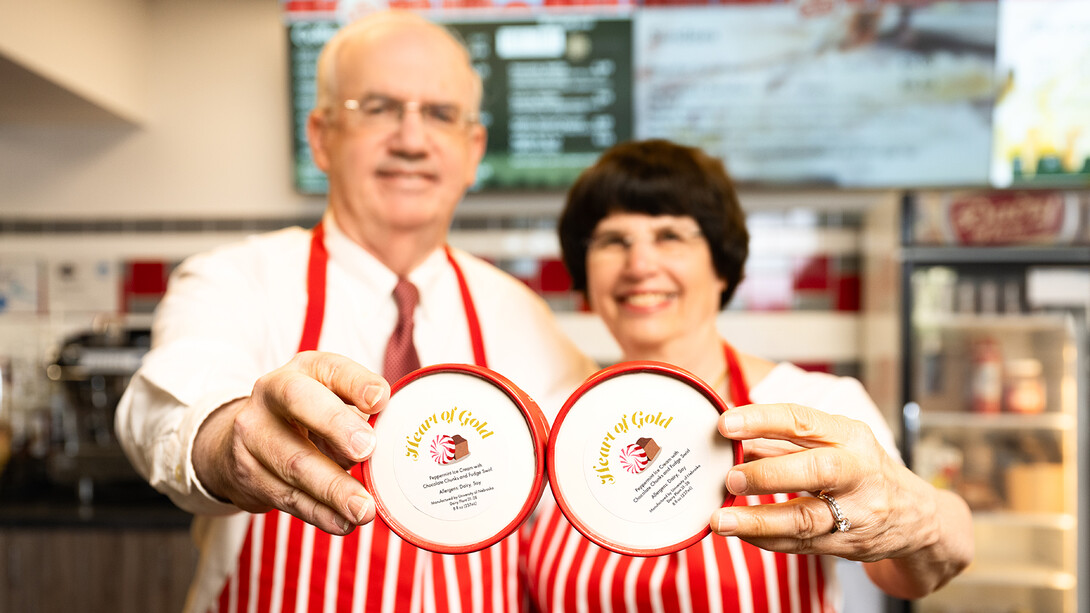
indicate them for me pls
(996, 292)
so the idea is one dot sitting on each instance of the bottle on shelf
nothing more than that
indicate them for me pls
(1025, 388)
(986, 387)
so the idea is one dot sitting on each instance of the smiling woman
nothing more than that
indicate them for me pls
(651, 280)
(657, 178)
(654, 236)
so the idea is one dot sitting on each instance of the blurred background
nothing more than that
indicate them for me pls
(916, 176)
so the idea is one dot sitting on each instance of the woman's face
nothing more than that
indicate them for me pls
(651, 280)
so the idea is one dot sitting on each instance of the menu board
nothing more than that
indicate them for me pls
(305, 41)
(557, 93)
(844, 93)
(1042, 117)
(859, 95)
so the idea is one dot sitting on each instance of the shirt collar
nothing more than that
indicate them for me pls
(360, 264)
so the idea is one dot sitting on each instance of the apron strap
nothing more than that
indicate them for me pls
(739, 391)
(474, 324)
(316, 293)
(316, 269)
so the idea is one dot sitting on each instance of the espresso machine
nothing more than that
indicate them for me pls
(90, 373)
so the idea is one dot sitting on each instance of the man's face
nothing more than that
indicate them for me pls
(402, 159)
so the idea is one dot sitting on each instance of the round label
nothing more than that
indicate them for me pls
(453, 465)
(642, 468)
(636, 462)
(457, 462)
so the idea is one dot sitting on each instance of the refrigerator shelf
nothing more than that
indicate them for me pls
(1062, 422)
(1016, 575)
(993, 373)
(993, 322)
(1064, 522)
(1014, 255)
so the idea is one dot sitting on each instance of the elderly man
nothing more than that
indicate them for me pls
(254, 399)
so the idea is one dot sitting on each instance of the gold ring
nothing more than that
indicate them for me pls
(840, 522)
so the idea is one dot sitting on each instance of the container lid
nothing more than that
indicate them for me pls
(636, 461)
(459, 459)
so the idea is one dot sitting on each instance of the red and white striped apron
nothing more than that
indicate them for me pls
(288, 565)
(567, 572)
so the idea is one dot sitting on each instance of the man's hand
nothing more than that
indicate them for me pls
(289, 444)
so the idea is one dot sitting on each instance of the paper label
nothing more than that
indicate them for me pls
(454, 464)
(643, 467)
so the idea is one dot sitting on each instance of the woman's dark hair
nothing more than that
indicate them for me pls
(657, 177)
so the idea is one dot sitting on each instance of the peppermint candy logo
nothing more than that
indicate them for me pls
(636, 457)
(446, 449)
(633, 458)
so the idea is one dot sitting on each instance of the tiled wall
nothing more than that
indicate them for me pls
(60, 278)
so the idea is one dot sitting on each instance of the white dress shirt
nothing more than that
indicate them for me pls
(236, 313)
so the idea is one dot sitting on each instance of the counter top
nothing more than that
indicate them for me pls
(28, 499)
(113, 516)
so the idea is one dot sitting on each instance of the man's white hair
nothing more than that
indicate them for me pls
(328, 96)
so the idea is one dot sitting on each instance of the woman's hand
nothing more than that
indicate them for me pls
(918, 536)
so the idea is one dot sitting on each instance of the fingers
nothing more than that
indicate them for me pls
(312, 391)
(796, 448)
(790, 526)
(290, 473)
(289, 444)
(806, 471)
(765, 448)
(792, 448)
(351, 382)
(801, 425)
(272, 492)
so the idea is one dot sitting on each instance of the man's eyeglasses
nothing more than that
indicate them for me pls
(386, 112)
(666, 241)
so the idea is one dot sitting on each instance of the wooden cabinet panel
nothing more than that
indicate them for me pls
(92, 571)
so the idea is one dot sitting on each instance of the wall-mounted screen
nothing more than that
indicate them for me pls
(867, 95)
(799, 93)
(557, 92)
(1042, 116)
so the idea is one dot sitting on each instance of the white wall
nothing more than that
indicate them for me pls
(215, 142)
(92, 48)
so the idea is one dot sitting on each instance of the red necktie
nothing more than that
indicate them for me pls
(401, 357)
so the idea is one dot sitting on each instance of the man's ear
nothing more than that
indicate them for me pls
(478, 143)
(317, 135)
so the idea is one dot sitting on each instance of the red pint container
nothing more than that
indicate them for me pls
(459, 460)
(635, 459)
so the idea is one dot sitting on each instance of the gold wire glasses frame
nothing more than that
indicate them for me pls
(387, 112)
(666, 241)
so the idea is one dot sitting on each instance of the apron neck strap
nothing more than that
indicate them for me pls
(316, 269)
(317, 264)
(739, 391)
(472, 321)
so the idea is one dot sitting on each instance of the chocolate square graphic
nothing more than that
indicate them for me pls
(461, 447)
(650, 447)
